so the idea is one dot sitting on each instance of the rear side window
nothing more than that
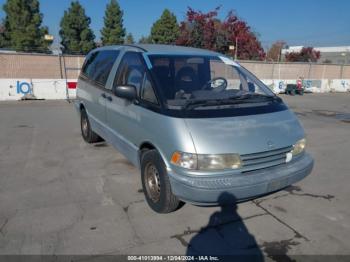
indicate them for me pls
(99, 64)
(88, 65)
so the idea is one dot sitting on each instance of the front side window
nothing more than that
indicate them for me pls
(132, 71)
(147, 91)
(206, 82)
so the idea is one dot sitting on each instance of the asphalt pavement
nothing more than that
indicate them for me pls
(59, 195)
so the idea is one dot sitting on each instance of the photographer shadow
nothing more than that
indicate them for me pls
(225, 235)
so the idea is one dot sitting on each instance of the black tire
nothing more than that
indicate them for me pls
(165, 202)
(86, 131)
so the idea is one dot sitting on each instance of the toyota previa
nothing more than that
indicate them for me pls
(197, 124)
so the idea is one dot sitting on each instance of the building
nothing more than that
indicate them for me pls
(332, 54)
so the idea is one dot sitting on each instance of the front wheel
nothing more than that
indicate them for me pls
(156, 185)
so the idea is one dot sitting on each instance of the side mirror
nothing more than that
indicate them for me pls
(126, 92)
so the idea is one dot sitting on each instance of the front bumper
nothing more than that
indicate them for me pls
(207, 190)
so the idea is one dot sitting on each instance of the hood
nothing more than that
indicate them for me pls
(245, 134)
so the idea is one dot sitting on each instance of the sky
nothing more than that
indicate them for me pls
(297, 22)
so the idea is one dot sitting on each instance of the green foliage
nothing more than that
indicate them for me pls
(76, 35)
(113, 32)
(2, 36)
(21, 29)
(145, 40)
(166, 29)
(129, 39)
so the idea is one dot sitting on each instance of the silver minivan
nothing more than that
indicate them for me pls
(196, 123)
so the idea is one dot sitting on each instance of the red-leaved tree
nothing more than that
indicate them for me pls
(307, 54)
(205, 30)
(198, 30)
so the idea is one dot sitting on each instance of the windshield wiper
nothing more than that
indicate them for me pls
(255, 96)
(191, 104)
(247, 98)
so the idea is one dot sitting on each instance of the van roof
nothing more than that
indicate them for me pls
(164, 49)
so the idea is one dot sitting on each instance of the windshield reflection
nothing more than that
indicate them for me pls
(188, 82)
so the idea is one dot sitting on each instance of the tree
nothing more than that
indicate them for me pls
(145, 40)
(113, 32)
(205, 30)
(166, 29)
(22, 29)
(129, 39)
(76, 34)
(307, 54)
(2, 36)
(274, 53)
(198, 30)
(238, 32)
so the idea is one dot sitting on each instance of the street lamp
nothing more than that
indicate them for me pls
(232, 48)
(236, 49)
(49, 38)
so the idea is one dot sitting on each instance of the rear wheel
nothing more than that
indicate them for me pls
(86, 131)
(156, 184)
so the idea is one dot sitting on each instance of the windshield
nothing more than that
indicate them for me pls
(187, 81)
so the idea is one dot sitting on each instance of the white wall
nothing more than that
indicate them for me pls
(312, 85)
(15, 89)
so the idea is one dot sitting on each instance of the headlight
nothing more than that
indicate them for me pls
(185, 160)
(219, 162)
(206, 162)
(299, 147)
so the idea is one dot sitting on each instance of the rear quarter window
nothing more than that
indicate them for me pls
(98, 65)
(86, 70)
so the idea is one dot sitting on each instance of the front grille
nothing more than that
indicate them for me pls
(264, 159)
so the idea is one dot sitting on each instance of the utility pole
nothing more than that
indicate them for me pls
(236, 49)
